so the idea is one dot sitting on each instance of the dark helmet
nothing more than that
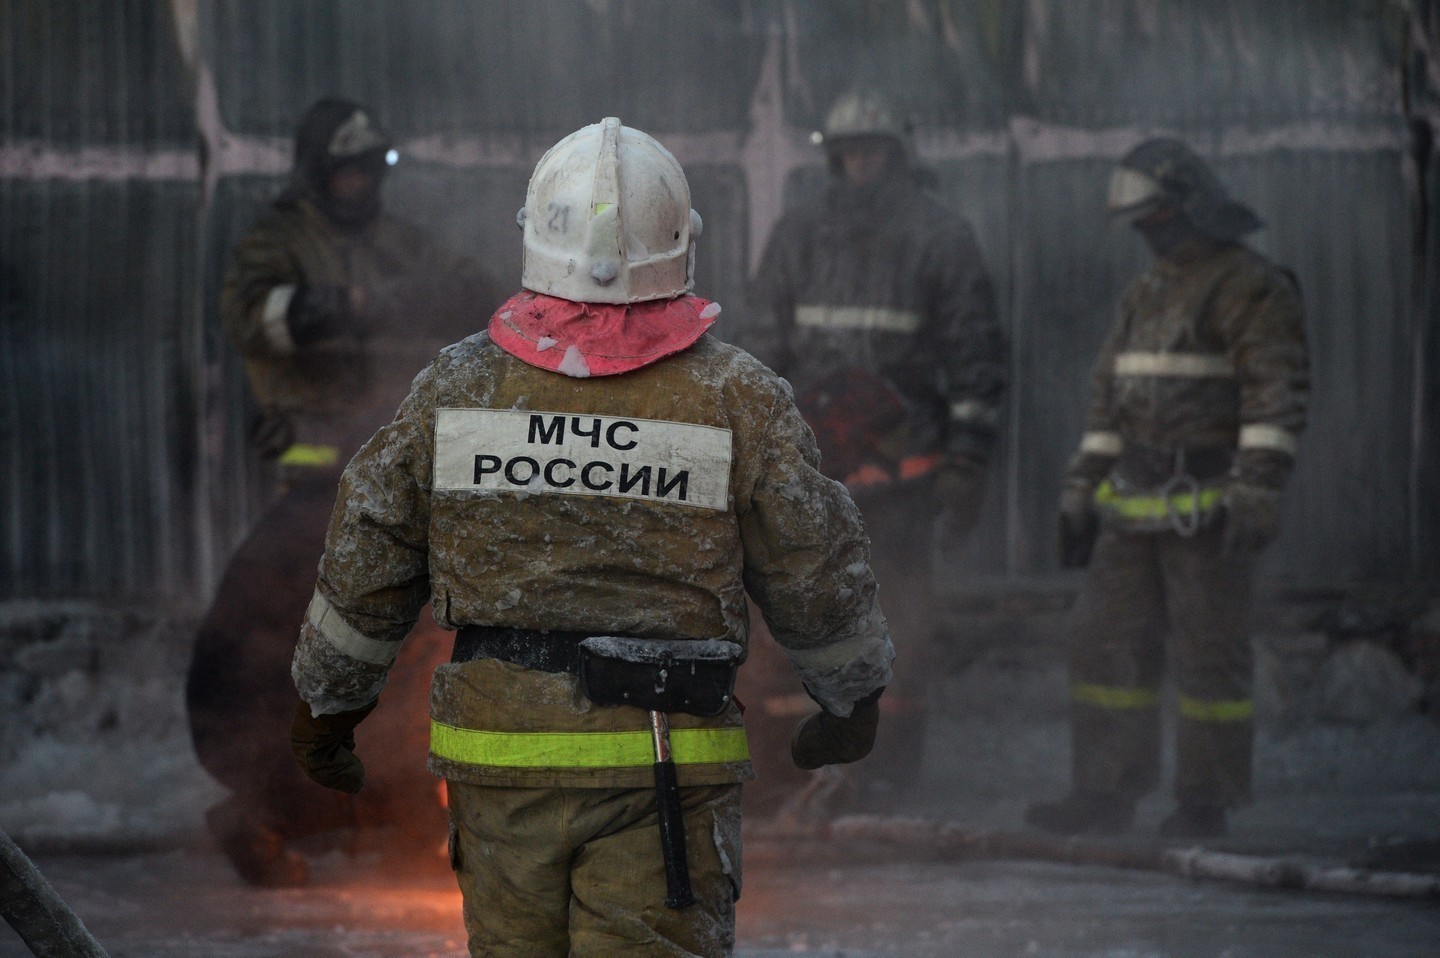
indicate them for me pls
(1164, 171)
(332, 134)
(862, 114)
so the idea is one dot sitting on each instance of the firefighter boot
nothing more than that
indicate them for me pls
(256, 850)
(1194, 820)
(1083, 813)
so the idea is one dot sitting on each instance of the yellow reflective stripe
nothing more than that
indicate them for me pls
(1213, 710)
(1113, 696)
(688, 746)
(1156, 507)
(306, 454)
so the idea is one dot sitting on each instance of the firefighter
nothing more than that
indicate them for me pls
(878, 308)
(1198, 400)
(333, 305)
(586, 492)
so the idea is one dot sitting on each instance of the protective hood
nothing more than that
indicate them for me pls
(598, 339)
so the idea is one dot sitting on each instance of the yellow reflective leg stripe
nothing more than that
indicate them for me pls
(1212, 710)
(1155, 507)
(688, 746)
(308, 454)
(1113, 696)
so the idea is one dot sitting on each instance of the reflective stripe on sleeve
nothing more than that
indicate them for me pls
(345, 637)
(973, 410)
(273, 321)
(1193, 365)
(1264, 436)
(881, 318)
(1216, 710)
(1102, 443)
(1113, 696)
(688, 746)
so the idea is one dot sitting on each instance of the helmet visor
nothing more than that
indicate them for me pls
(1132, 193)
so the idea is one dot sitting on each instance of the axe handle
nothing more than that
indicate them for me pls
(678, 893)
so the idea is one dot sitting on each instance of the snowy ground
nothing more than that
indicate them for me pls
(186, 904)
(98, 782)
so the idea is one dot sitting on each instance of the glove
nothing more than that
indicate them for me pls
(1252, 518)
(827, 739)
(960, 490)
(323, 312)
(324, 745)
(1079, 523)
(271, 433)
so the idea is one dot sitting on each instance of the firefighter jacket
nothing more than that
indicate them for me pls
(884, 282)
(1205, 376)
(645, 504)
(319, 400)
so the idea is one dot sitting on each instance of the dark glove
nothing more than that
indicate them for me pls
(960, 491)
(1079, 523)
(827, 739)
(271, 433)
(321, 312)
(324, 745)
(1252, 518)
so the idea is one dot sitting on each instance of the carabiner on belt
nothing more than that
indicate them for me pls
(1185, 524)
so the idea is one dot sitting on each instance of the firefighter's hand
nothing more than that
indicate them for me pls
(827, 739)
(324, 745)
(320, 311)
(1079, 524)
(960, 491)
(1252, 518)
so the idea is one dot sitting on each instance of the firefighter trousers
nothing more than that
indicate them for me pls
(1140, 588)
(578, 872)
(899, 522)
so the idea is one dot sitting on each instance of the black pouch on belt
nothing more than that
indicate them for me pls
(695, 676)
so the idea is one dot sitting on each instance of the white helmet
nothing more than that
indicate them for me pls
(607, 219)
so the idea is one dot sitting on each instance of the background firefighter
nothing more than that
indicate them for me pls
(333, 305)
(877, 306)
(593, 465)
(1198, 400)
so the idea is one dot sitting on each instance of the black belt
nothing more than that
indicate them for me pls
(528, 648)
(1146, 467)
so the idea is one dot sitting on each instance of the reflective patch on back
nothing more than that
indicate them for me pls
(508, 450)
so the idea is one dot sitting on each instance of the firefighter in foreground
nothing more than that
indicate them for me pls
(587, 492)
(875, 302)
(1198, 400)
(333, 305)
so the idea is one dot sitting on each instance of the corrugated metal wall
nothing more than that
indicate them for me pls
(99, 207)
(140, 138)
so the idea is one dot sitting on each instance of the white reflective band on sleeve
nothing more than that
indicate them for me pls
(1102, 443)
(973, 410)
(1263, 436)
(882, 318)
(346, 638)
(572, 454)
(1196, 365)
(272, 319)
